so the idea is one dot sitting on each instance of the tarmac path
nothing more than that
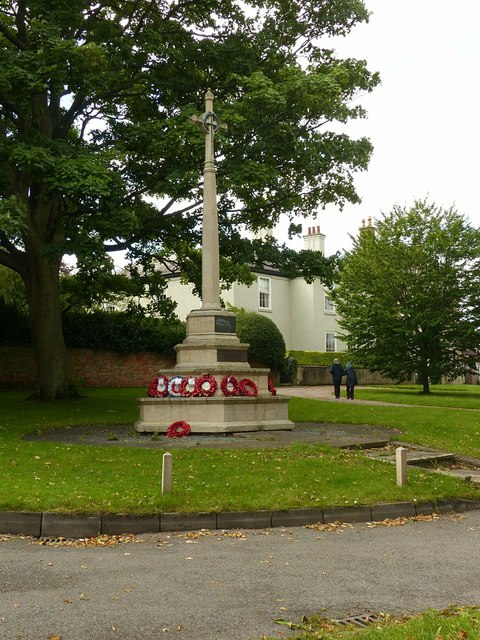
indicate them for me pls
(233, 585)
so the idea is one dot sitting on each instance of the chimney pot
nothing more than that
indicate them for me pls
(318, 229)
(363, 222)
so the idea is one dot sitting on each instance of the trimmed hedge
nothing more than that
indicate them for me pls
(120, 331)
(321, 358)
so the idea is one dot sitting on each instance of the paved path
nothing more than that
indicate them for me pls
(219, 587)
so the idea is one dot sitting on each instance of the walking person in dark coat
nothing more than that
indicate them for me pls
(337, 372)
(350, 380)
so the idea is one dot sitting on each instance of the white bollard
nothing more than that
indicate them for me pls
(167, 473)
(401, 464)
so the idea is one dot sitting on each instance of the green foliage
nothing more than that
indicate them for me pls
(14, 325)
(320, 358)
(409, 293)
(98, 152)
(267, 346)
(120, 331)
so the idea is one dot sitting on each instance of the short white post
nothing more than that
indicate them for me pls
(167, 473)
(401, 463)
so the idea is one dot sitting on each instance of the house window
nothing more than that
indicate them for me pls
(264, 301)
(330, 344)
(329, 305)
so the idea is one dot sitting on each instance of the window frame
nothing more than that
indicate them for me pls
(330, 333)
(267, 293)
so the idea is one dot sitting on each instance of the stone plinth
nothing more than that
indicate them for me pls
(212, 342)
(217, 414)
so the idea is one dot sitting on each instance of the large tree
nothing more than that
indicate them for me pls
(98, 154)
(409, 294)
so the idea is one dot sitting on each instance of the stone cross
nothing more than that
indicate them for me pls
(210, 124)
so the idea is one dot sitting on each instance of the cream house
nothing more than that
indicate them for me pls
(303, 312)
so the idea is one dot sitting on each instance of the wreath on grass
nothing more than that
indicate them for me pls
(158, 387)
(230, 386)
(175, 386)
(178, 429)
(271, 387)
(205, 386)
(248, 387)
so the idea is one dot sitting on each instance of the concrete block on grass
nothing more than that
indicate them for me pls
(296, 517)
(70, 525)
(21, 522)
(244, 520)
(187, 521)
(117, 524)
(347, 514)
(392, 510)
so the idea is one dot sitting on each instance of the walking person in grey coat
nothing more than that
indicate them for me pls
(350, 380)
(337, 373)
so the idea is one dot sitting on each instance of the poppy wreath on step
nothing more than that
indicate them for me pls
(248, 387)
(158, 387)
(187, 387)
(205, 386)
(178, 429)
(230, 386)
(271, 387)
(175, 386)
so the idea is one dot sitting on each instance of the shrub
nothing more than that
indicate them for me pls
(14, 325)
(121, 331)
(267, 346)
(321, 358)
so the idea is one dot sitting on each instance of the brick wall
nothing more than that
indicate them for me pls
(88, 368)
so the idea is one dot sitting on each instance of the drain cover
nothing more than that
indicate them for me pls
(363, 620)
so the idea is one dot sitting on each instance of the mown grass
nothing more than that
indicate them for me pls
(47, 476)
(455, 396)
(451, 624)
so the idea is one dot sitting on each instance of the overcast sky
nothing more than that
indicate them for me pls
(424, 118)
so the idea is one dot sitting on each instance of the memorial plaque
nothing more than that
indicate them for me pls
(231, 355)
(225, 324)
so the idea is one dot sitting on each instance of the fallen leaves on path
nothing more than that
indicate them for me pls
(98, 541)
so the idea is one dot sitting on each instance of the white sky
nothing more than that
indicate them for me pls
(423, 120)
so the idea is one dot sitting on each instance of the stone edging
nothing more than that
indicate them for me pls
(67, 525)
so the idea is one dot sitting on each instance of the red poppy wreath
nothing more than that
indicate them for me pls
(205, 386)
(248, 387)
(230, 386)
(178, 429)
(158, 387)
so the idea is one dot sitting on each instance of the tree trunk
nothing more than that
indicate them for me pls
(42, 281)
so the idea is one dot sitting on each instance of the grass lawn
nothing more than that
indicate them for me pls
(48, 476)
(451, 624)
(457, 396)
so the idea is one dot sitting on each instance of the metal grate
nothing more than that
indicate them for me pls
(363, 620)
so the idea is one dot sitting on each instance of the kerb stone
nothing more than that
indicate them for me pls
(347, 514)
(393, 510)
(244, 520)
(116, 524)
(187, 521)
(21, 522)
(68, 525)
(296, 517)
